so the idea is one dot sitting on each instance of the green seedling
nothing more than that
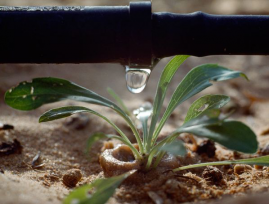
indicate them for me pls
(203, 120)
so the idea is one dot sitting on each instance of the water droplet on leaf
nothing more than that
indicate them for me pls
(32, 90)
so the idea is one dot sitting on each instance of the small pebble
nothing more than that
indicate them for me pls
(212, 175)
(241, 168)
(128, 196)
(265, 132)
(72, 177)
(257, 167)
(107, 145)
(237, 155)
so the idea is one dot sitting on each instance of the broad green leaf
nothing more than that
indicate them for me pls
(213, 113)
(97, 192)
(231, 134)
(40, 91)
(261, 161)
(175, 147)
(119, 101)
(63, 112)
(194, 82)
(165, 79)
(205, 103)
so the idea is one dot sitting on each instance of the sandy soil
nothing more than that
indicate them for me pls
(62, 143)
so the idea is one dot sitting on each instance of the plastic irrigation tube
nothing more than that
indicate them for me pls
(130, 35)
(202, 34)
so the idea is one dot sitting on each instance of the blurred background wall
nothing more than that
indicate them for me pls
(211, 6)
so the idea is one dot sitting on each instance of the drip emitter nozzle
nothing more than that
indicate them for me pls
(130, 35)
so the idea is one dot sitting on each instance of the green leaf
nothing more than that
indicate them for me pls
(231, 134)
(97, 192)
(213, 113)
(261, 161)
(165, 79)
(119, 101)
(205, 103)
(176, 147)
(63, 112)
(194, 82)
(40, 91)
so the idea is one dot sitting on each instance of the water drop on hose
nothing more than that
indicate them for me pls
(136, 79)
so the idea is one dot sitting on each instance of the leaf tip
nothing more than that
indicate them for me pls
(42, 119)
(244, 76)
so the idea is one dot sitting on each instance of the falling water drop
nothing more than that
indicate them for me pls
(136, 79)
(144, 111)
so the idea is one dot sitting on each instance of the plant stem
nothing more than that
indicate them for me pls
(158, 159)
(136, 134)
(119, 101)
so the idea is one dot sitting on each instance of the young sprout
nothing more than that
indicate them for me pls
(203, 120)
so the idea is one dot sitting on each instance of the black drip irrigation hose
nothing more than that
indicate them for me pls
(130, 35)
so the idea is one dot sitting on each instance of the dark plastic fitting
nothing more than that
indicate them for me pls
(130, 35)
(140, 34)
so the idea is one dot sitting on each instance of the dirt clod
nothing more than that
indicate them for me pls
(52, 176)
(212, 175)
(177, 191)
(72, 177)
(264, 150)
(7, 148)
(6, 126)
(118, 161)
(241, 168)
(207, 147)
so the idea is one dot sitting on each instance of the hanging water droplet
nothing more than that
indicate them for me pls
(136, 79)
